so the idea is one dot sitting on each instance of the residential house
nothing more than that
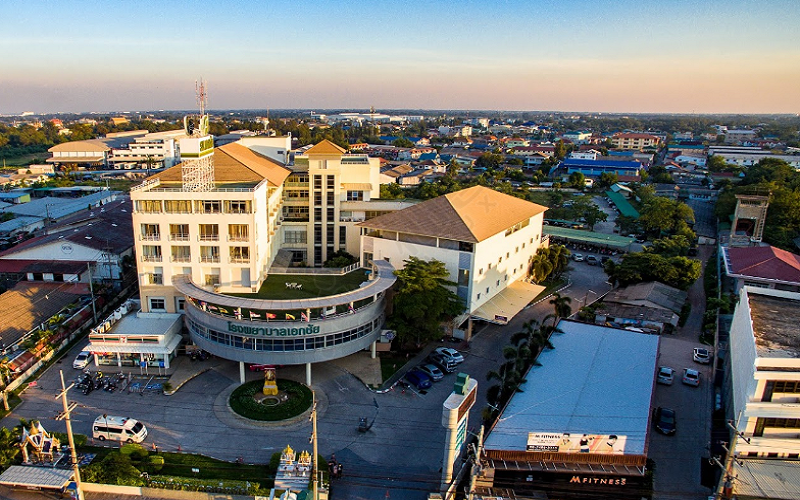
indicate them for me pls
(648, 306)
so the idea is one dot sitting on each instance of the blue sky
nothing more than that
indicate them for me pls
(625, 56)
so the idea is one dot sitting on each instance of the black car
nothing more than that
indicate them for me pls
(664, 420)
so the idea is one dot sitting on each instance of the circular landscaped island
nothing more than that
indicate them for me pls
(249, 401)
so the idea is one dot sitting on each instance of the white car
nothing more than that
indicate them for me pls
(665, 375)
(577, 257)
(450, 353)
(82, 360)
(691, 377)
(701, 355)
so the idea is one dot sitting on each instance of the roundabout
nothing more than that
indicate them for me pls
(289, 401)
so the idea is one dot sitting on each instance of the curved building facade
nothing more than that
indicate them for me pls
(287, 332)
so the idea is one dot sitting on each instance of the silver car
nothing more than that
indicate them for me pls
(433, 371)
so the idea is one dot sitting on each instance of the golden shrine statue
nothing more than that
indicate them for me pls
(270, 382)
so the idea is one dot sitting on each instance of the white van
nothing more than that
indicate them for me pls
(118, 429)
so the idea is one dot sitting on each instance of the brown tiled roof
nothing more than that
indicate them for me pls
(236, 163)
(764, 262)
(473, 215)
(325, 147)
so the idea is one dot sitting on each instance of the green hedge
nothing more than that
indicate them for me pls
(299, 401)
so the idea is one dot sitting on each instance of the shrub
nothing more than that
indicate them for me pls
(134, 450)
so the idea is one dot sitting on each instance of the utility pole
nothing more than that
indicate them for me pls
(725, 488)
(66, 416)
(477, 450)
(91, 292)
(314, 468)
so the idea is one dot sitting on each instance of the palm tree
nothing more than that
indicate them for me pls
(562, 307)
(541, 267)
(5, 378)
(559, 258)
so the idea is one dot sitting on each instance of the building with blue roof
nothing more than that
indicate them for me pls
(594, 168)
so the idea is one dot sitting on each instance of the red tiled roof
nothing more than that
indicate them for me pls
(765, 262)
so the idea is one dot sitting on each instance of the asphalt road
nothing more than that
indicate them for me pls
(402, 453)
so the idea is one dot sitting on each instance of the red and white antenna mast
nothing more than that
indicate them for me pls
(202, 95)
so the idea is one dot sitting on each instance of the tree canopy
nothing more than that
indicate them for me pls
(422, 301)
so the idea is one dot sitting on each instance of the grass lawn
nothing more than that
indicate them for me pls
(181, 464)
(390, 364)
(24, 160)
(314, 285)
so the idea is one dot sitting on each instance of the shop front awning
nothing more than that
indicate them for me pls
(36, 477)
(135, 348)
(506, 304)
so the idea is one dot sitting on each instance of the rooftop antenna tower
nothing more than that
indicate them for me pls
(197, 171)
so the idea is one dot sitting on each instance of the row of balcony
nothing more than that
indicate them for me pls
(185, 237)
(203, 260)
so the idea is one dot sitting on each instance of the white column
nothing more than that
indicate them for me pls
(119, 360)
(373, 349)
(308, 374)
(241, 372)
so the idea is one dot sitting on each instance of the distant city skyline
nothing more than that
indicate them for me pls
(626, 56)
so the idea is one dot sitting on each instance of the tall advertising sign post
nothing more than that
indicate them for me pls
(455, 418)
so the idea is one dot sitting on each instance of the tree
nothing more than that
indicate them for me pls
(9, 446)
(638, 267)
(560, 150)
(422, 302)
(671, 246)
(607, 180)
(578, 180)
(660, 214)
(541, 267)
(339, 259)
(489, 161)
(402, 142)
(561, 305)
(559, 258)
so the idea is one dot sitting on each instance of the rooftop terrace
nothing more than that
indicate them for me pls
(775, 323)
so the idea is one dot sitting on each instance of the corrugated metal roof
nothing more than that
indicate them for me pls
(39, 477)
(596, 381)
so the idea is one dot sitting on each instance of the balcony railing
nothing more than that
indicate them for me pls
(151, 237)
(238, 238)
(240, 260)
(209, 237)
(210, 259)
(181, 258)
(155, 279)
(178, 237)
(151, 258)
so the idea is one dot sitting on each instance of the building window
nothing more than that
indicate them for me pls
(151, 232)
(181, 254)
(210, 206)
(178, 206)
(498, 283)
(148, 206)
(158, 304)
(508, 255)
(209, 254)
(240, 255)
(295, 214)
(294, 237)
(480, 272)
(331, 182)
(238, 232)
(237, 207)
(209, 232)
(179, 232)
(318, 182)
(330, 199)
(516, 250)
(151, 253)
(787, 387)
(317, 214)
(487, 289)
(342, 237)
(355, 196)
(329, 236)
(463, 277)
(479, 296)
(212, 279)
(331, 214)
